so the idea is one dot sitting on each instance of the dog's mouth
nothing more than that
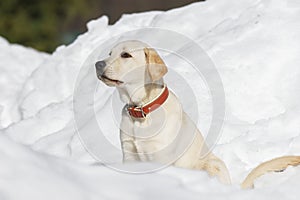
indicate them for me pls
(103, 77)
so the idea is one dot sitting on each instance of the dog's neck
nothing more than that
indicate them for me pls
(141, 94)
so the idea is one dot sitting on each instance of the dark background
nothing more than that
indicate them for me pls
(45, 24)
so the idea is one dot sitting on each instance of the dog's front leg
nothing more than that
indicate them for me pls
(128, 149)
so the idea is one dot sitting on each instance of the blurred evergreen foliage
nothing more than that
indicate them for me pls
(44, 24)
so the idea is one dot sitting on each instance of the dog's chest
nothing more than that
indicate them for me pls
(150, 137)
(156, 136)
(151, 134)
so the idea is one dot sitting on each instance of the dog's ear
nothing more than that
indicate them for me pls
(155, 65)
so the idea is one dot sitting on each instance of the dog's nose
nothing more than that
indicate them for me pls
(100, 65)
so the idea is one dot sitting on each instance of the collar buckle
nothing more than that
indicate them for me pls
(136, 111)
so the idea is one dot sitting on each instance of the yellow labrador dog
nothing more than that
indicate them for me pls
(154, 128)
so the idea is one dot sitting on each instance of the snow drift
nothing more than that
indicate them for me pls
(255, 47)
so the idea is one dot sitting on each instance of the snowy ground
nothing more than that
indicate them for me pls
(255, 47)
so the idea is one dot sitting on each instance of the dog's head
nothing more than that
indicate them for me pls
(131, 63)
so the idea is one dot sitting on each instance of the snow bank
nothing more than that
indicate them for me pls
(254, 45)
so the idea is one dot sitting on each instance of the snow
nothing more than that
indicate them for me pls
(254, 46)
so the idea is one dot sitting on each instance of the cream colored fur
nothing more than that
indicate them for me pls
(137, 71)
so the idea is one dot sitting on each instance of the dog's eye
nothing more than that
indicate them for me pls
(125, 55)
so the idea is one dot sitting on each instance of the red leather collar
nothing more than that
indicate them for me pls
(142, 111)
